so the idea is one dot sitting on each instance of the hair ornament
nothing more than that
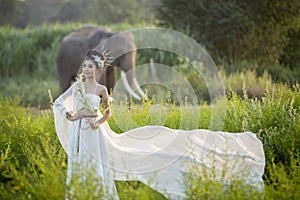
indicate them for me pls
(98, 60)
(100, 57)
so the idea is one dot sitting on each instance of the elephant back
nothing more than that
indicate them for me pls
(85, 32)
(97, 36)
(88, 35)
(124, 41)
(76, 44)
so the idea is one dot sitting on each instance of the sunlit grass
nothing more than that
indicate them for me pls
(32, 90)
(33, 163)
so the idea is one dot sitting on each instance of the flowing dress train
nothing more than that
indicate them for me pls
(155, 155)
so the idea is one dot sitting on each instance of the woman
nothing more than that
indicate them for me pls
(155, 155)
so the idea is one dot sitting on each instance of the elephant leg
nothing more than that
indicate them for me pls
(65, 84)
(102, 77)
(110, 78)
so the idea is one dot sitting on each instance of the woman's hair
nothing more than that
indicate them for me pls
(97, 57)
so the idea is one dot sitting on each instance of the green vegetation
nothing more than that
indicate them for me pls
(256, 46)
(259, 31)
(22, 13)
(262, 98)
(32, 159)
(28, 59)
(33, 91)
(32, 51)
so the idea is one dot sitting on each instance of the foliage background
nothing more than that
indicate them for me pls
(255, 45)
(31, 158)
(257, 31)
(258, 39)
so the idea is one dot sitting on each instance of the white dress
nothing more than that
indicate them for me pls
(155, 155)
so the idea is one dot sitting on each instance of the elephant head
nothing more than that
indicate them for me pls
(73, 49)
(124, 57)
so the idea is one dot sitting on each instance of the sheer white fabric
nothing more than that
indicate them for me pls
(155, 155)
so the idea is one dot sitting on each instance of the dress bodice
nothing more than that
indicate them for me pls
(85, 100)
(94, 100)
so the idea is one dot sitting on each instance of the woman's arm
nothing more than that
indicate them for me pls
(62, 124)
(59, 102)
(106, 107)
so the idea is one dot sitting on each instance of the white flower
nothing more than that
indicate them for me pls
(98, 60)
(110, 99)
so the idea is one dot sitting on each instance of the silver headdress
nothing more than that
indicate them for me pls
(98, 60)
(102, 57)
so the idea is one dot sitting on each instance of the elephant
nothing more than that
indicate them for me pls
(121, 45)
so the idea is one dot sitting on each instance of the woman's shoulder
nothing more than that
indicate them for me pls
(76, 83)
(101, 89)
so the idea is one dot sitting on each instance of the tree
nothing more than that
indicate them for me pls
(217, 25)
(8, 11)
(115, 11)
(35, 12)
(274, 25)
(233, 30)
(68, 12)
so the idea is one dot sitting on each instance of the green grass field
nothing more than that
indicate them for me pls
(33, 164)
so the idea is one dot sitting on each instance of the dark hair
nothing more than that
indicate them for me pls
(92, 54)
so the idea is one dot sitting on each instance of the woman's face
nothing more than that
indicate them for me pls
(89, 69)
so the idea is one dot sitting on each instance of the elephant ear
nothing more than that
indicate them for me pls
(97, 36)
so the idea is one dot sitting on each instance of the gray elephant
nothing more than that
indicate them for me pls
(74, 47)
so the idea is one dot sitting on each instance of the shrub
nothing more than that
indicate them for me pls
(32, 159)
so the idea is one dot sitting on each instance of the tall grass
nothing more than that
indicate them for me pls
(32, 51)
(27, 59)
(33, 164)
(31, 157)
(276, 121)
(32, 91)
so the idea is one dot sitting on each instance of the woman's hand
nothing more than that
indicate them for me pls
(72, 117)
(94, 125)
